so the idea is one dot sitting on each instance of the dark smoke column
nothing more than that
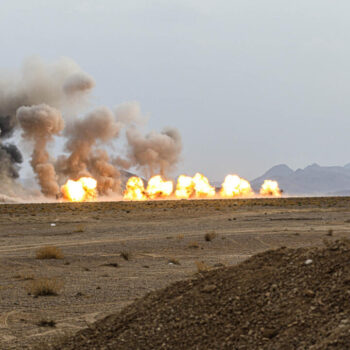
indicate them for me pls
(39, 124)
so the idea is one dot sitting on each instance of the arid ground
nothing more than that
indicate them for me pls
(115, 252)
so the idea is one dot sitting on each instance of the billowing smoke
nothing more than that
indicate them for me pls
(43, 98)
(61, 84)
(156, 152)
(129, 113)
(85, 158)
(39, 124)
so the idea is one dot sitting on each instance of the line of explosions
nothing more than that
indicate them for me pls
(187, 187)
(47, 102)
(197, 186)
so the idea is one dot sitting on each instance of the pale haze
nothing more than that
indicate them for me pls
(248, 84)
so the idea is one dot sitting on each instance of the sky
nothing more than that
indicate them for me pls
(248, 83)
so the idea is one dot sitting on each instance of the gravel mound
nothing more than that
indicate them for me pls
(282, 299)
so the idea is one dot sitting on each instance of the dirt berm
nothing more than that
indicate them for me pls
(280, 299)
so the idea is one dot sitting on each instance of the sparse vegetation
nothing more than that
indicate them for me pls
(23, 276)
(209, 236)
(79, 228)
(49, 252)
(330, 232)
(125, 255)
(46, 323)
(180, 236)
(201, 266)
(193, 245)
(173, 261)
(111, 264)
(44, 287)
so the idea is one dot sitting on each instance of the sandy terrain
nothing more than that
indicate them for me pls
(92, 236)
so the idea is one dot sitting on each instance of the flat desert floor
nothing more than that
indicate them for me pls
(161, 241)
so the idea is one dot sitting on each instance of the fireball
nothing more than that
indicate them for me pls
(159, 188)
(235, 186)
(135, 190)
(202, 186)
(270, 188)
(184, 187)
(81, 190)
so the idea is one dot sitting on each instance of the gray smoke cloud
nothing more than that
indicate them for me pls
(155, 152)
(39, 124)
(106, 174)
(129, 113)
(85, 159)
(61, 84)
(41, 97)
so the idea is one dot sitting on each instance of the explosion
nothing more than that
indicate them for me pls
(202, 187)
(158, 188)
(134, 189)
(48, 102)
(81, 190)
(235, 186)
(184, 187)
(197, 186)
(270, 188)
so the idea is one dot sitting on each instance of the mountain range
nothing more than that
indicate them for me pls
(312, 180)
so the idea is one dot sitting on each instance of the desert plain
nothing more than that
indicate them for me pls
(116, 252)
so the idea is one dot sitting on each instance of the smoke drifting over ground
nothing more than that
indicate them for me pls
(49, 99)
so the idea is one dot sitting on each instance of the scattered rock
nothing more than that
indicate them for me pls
(270, 301)
(209, 288)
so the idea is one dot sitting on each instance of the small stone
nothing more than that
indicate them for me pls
(309, 293)
(269, 333)
(308, 262)
(208, 288)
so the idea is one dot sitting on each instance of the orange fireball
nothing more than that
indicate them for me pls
(235, 186)
(184, 187)
(202, 186)
(159, 188)
(81, 190)
(135, 189)
(270, 188)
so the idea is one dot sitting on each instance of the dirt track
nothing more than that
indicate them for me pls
(92, 235)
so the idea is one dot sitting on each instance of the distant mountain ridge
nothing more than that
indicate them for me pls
(313, 179)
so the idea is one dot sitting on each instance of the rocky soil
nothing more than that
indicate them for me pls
(279, 299)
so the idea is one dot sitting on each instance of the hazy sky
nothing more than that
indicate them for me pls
(249, 83)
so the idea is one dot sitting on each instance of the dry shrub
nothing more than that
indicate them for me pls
(79, 228)
(125, 255)
(111, 264)
(46, 323)
(329, 233)
(209, 236)
(173, 261)
(193, 245)
(44, 287)
(202, 266)
(180, 236)
(49, 252)
(24, 276)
